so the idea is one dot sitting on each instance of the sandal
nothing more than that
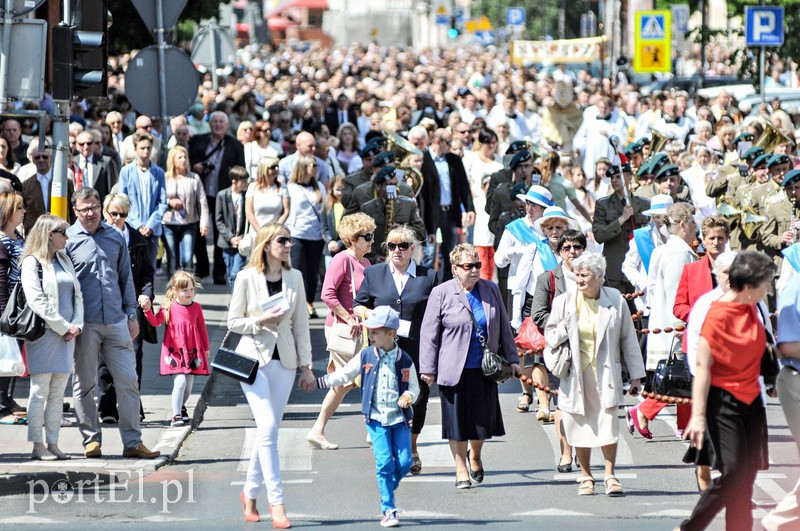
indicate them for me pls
(525, 401)
(613, 487)
(12, 420)
(416, 464)
(544, 416)
(586, 487)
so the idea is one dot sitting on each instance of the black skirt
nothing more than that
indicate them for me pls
(471, 408)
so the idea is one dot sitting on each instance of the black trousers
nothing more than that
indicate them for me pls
(738, 434)
(202, 264)
(306, 257)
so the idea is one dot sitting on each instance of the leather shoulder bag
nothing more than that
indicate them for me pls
(18, 319)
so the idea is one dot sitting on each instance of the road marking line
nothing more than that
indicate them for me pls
(671, 513)
(771, 488)
(624, 454)
(433, 450)
(575, 476)
(552, 512)
(295, 454)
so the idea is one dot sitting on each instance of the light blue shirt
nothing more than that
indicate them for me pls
(789, 319)
(443, 169)
(384, 408)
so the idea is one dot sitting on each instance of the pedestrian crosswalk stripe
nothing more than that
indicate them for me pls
(652, 27)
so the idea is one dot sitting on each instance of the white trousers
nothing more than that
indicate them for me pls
(267, 397)
(44, 406)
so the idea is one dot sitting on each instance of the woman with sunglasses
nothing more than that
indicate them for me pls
(115, 209)
(280, 340)
(549, 285)
(461, 314)
(261, 146)
(343, 278)
(405, 286)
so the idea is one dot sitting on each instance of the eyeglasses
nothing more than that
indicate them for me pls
(573, 247)
(267, 130)
(41, 157)
(273, 167)
(93, 208)
(62, 232)
(312, 164)
(114, 214)
(403, 246)
(367, 237)
(469, 267)
(85, 143)
(282, 240)
(146, 126)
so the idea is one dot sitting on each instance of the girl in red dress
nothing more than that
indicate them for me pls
(184, 352)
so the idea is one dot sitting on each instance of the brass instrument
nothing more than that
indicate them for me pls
(771, 137)
(749, 219)
(658, 142)
(402, 148)
(795, 225)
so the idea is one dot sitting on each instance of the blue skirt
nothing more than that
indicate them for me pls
(471, 408)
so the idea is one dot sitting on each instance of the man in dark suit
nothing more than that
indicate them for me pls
(368, 155)
(36, 191)
(230, 221)
(504, 175)
(91, 169)
(212, 156)
(342, 113)
(615, 218)
(445, 195)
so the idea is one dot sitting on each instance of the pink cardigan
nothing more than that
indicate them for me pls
(336, 287)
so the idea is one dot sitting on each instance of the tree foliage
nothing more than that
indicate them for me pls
(129, 32)
(541, 16)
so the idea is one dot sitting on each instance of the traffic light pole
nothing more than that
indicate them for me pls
(162, 67)
(59, 202)
(6, 49)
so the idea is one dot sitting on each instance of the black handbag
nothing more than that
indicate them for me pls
(770, 367)
(672, 378)
(18, 319)
(495, 367)
(232, 364)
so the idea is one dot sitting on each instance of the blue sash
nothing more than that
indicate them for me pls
(525, 234)
(792, 254)
(645, 245)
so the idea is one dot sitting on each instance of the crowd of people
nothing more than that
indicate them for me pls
(442, 199)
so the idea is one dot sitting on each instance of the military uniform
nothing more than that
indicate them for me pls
(367, 191)
(614, 237)
(353, 181)
(779, 220)
(746, 199)
(405, 213)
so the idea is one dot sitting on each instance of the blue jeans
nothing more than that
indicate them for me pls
(391, 446)
(180, 240)
(234, 262)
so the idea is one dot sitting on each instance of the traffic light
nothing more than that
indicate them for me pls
(80, 52)
(454, 30)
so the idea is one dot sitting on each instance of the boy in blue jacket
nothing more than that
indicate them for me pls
(389, 387)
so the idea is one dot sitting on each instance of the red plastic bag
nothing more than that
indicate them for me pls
(529, 337)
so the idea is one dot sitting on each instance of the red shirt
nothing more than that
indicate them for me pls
(737, 339)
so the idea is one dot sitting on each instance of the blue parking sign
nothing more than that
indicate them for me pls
(763, 26)
(515, 16)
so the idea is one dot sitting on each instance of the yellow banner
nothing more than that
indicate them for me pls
(555, 52)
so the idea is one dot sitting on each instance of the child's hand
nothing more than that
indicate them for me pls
(404, 401)
(144, 302)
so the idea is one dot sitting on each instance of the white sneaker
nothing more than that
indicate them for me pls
(177, 421)
(390, 519)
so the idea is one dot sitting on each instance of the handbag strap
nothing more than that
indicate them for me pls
(552, 286)
(481, 339)
(770, 337)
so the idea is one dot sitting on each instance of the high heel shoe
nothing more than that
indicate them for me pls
(248, 517)
(284, 524)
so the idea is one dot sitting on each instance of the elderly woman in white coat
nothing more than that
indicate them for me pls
(594, 324)
(56, 298)
(278, 337)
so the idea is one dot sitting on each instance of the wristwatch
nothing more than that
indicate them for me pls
(132, 316)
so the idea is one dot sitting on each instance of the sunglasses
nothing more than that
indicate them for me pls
(113, 214)
(62, 232)
(572, 248)
(367, 237)
(403, 246)
(469, 267)
(41, 157)
(282, 240)
(274, 167)
(85, 143)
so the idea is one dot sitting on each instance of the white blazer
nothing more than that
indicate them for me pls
(615, 333)
(43, 297)
(291, 335)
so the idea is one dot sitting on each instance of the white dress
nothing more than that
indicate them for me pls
(478, 170)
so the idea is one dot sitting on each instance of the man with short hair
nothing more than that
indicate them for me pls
(127, 153)
(114, 121)
(103, 267)
(305, 144)
(91, 169)
(37, 191)
(12, 132)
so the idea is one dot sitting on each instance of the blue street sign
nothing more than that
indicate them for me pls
(486, 38)
(763, 26)
(515, 16)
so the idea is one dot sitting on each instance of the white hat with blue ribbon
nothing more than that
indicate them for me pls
(538, 195)
(659, 205)
(553, 213)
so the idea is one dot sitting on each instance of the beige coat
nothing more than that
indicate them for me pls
(42, 296)
(615, 333)
(291, 335)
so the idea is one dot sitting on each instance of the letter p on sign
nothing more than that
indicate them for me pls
(764, 24)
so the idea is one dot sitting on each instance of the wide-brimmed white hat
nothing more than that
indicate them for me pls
(659, 205)
(554, 212)
(538, 195)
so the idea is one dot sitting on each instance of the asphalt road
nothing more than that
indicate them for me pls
(337, 489)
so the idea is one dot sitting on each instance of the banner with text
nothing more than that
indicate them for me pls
(556, 52)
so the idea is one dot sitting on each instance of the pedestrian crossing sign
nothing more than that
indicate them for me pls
(652, 41)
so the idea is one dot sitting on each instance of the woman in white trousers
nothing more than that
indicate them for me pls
(278, 337)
